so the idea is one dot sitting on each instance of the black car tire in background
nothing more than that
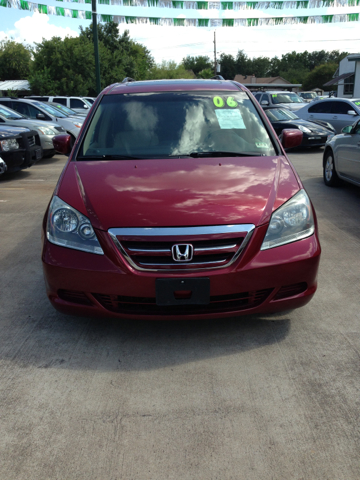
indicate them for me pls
(331, 178)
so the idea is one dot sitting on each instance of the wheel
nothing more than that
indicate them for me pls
(331, 178)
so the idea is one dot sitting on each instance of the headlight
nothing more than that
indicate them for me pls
(69, 228)
(304, 129)
(46, 131)
(10, 144)
(291, 222)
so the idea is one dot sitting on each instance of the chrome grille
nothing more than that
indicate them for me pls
(150, 249)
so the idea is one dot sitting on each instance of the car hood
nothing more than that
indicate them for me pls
(178, 192)
(314, 127)
(293, 106)
(30, 123)
(10, 130)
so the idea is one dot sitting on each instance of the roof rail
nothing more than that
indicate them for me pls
(128, 79)
(217, 77)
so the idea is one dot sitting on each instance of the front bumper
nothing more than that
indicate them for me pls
(267, 281)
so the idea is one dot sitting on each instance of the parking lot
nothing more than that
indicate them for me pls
(248, 398)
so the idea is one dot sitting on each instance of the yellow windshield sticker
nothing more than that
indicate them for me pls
(218, 102)
(229, 119)
(274, 95)
(357, 103)
(231, 102)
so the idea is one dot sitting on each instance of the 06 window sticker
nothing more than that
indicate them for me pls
(219, 102)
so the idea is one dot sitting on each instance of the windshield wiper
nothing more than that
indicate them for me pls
(108, 157)
(223, 154)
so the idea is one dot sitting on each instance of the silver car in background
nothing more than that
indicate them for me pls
(341, 159)
(339, 112)
(43, 111)
(47, 130)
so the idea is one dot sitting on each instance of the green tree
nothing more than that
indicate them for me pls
(197, 64)
(320, 75)
(15, 60)
(243, 63)
(169, 70)
(228, 66)
(206, 73)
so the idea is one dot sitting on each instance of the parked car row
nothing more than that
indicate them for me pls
(44, 119)
(79, 104)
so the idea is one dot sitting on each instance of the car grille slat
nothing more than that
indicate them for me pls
(151, 248)
(148, 306)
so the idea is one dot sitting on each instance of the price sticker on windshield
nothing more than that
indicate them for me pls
(274, 95)
(229, 119)
(357, 103)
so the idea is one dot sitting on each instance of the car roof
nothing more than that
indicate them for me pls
(173, 85)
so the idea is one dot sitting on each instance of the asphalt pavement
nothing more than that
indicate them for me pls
(248, 398)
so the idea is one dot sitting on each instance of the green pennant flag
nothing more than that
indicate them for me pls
(202, 5)
(87, 15)
(327, 18)
(74, 13)
(106, 18)
(154, 20)
(302, 4)
(179, 22)
(60, 11)
(303, 19)
(353, 17)
(177, 4)
(228, 22)
(252, 22)
(152, 3)
(104, 2)
(24, 5)
(227, 5)
(203, 22)
(42, 8)
(251, 5)
(130, 19)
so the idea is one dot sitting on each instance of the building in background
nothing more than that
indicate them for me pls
(347, 77)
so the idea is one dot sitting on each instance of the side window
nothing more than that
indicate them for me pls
(258, 96)
(76, 103)
(265, 98)
(341, 108)
(60, 100)
(320, 107)
(357, 129)
(20, 107)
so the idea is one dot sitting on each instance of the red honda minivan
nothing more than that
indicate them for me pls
(178, 201)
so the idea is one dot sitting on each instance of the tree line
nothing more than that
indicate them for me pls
(67, 66)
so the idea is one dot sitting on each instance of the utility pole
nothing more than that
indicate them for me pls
(96, 47)
(214, 52)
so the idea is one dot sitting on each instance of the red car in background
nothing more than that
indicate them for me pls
(178, 201)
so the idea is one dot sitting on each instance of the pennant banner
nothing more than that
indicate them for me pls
(262, 5)
(179, 22)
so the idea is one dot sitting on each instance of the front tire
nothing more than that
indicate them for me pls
(331, 178)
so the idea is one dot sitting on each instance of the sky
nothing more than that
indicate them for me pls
(175, 43)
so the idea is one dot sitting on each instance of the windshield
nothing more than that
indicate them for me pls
(308, 96)
(53, 111)
(90, 101)
(10, 114)
(164, 124)
(356, 102)
(66, 110)
(286, 98)
(279, 114)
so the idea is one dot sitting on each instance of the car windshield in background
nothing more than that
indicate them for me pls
(286, 98)
(64, 109)
(53, 111)
(356, 102)
(10, 114)
(280, 114)
(309, 96)
(168, 124)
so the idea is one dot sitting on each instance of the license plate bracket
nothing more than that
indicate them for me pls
(182, 291)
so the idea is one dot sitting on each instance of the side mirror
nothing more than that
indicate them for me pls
(291, 137)
(40, 116)
(62, 144)
(264, 102)
(351, 112)
(86, 106)
(347, 129)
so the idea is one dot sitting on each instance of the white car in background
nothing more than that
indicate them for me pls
(47, 130)
(290, 100)
(79, 104)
